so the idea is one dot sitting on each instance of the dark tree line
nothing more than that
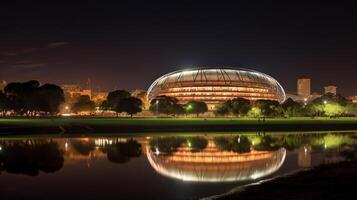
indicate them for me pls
(326, 105)
(170, 106)
(31, 99)
(121, 101)
(169, 145)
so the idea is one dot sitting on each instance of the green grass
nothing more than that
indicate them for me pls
(95, 121)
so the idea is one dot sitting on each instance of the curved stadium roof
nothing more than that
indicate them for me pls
(216, 85)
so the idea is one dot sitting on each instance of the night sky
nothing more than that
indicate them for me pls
(129, 45)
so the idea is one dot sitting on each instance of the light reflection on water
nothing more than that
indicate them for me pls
(161, 167)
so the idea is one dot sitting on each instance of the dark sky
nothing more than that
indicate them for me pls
(129, 45)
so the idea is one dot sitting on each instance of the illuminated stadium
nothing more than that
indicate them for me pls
(216, 85)
(213, 165)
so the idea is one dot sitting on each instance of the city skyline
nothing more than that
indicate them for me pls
(127, 46)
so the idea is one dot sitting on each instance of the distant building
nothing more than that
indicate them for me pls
(304, 87)
(295, 97)
(75, 91)
(2, 85)
(353, 98)
(99, 97)
(331, 89)
(314, 95)
(142, 95)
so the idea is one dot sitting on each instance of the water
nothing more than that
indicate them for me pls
(158, 166)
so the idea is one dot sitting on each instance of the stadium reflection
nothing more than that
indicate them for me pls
(213, 163)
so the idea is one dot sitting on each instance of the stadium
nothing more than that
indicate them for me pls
(216, 85)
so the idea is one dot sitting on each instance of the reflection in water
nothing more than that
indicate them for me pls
(30, 156)
(211, 158)
(116, 165)
(214, 165)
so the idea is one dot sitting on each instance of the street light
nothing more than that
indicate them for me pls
(325, 102)
(157, 106)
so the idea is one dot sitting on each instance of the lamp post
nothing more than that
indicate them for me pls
(157, 106)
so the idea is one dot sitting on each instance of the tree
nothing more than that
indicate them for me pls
(123, 152)
(196, 107)
(269, 108)
(114, 98)
(254, 112)
(351, 109)
(268, 143)
(166, 105)
(240, 106)
(292, 108)
(314, 108)
(104, 105)
(239, 144)
(328, 104)
(21, 96)
(48, 98)
(29, 97)
(197, 143)
(82, 147)
(333, 109)
(130, 105)
(221, 110)
(166, 145)
(3, 104)
(30, 157)
(83, 103)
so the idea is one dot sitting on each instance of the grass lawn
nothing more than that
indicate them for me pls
(99, 121)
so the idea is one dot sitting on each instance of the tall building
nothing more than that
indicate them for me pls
(331, 89)
(304, 87)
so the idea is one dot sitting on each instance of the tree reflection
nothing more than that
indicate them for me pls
(166, 145)
(83, 147)
(123, 152)
(169, 145)
(238, 144)
(196, 144)
(30, 156)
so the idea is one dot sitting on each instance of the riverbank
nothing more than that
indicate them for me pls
(57, 125)
(332, 181)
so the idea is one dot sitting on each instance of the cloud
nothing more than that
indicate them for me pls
(57, 44)
(18, 52)
(29, 50)
(28, 65)
(9, 53)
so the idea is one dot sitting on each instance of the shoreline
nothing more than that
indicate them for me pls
(329, 181)
(13, 126)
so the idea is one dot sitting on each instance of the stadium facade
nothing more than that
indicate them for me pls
(216, 85)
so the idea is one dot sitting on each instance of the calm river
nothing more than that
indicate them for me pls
(165, 166)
